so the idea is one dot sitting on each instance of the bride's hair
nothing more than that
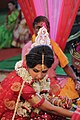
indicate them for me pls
(35, 56)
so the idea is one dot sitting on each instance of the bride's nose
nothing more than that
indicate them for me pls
(40, 75)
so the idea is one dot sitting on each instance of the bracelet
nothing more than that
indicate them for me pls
(39, 103)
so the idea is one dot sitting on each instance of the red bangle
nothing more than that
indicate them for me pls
(39, 103)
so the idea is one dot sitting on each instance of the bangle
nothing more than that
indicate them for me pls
(39, 103)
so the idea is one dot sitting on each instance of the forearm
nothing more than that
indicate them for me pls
(68, 70)
(61, 111)
(48, 107)
(71, 74)
(55, 109)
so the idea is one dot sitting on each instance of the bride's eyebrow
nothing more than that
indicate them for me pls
(36, 70)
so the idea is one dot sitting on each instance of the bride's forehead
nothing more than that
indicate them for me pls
(39, 67)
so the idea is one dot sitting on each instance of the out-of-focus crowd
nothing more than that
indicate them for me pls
(14, 32)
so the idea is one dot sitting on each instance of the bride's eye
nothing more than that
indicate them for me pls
(35, 70)
(45, 71)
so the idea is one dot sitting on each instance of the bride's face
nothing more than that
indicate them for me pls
(37, 73)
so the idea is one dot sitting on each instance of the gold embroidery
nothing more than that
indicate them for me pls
(16, 86)
(9, 104)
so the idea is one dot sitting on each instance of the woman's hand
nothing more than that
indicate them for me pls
(62, 101)
(78, 87)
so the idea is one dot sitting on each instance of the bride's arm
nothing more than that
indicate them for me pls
(37, 101)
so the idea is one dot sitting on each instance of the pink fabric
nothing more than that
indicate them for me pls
(26, 49)
(76, 114)
(62, 81)
(51, 71)
(67, 16)
(50, 9)
(61, 14)
(78, 48)
(54, 8)
(40, 7)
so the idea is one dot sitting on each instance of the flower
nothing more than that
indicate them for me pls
(24, 108)
(10, 104)
(18, 65)
(24, 74)
(36, 110)
(36, 86)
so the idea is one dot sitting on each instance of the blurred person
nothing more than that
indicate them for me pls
(6, 30)
(21, 34)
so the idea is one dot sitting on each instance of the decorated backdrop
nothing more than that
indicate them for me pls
(61, 14)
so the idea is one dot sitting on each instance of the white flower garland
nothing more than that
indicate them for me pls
(42, 85)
